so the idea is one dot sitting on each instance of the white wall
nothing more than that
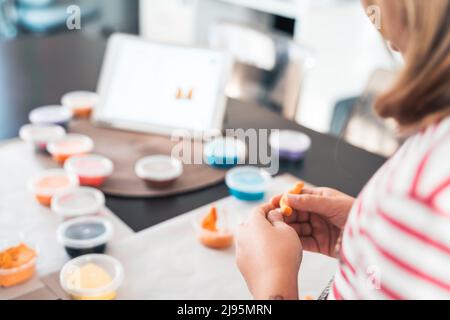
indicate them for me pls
(347, 50)
(189, 21)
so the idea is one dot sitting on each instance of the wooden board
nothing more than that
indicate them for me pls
(125, 148)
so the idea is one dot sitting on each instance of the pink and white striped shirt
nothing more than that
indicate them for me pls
(396, 243)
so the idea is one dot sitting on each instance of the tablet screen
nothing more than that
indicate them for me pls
(158, 86)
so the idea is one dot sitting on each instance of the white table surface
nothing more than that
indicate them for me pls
(168, 262)
(163, 262)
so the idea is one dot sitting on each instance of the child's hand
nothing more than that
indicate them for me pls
(269, 253)
(318, 218)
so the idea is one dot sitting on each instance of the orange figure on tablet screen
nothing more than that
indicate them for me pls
(184, 95)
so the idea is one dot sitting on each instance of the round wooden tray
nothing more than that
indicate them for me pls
(125, 148)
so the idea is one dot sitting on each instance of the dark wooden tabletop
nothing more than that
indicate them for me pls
(38, 71)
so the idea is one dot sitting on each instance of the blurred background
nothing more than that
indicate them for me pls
(317, 62)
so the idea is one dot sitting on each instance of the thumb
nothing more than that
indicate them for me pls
(276, 218)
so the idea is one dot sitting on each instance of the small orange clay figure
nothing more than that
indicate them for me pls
(183, 95)
(308, 297)
(190, 94)
(212, 237)
(209, 222)
(179, 94)
(16, 265)
(287, 211)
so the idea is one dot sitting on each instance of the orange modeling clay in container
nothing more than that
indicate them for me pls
(297, 189)
(92, 170)
(213, 230)
(46, 184)
(81, 103)
(17, 264)
(70, 145)
(92, 277)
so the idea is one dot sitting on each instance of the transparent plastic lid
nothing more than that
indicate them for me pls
(89, 165)
(41, 133)
(159, 168)
(291, 141)
(71, 274)
(248, 179)
(71, 144)
(227, 147)
(80, 99)
(52, 181)
(50, 114)
(85, 232)
(79, 202)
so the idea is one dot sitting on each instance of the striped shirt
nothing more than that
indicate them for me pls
(396, 243)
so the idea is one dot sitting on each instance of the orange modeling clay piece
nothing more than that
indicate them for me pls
(82, 112)
(16, 265)
(287, 211)
(211, 236)
(209, 222)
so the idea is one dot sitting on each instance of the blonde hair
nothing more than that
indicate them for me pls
(421, 94)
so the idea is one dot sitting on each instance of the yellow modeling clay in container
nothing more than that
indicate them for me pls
(92, 277)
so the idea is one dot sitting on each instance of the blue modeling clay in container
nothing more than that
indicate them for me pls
(224, 152)
(248, 183)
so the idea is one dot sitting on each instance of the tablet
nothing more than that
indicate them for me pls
(159, 88)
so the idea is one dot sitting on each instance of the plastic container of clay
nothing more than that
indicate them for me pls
(70, 145)
(159, 171)
(46, 184)
(40, 135)
(79, 202)
(92, 277)
(52, 114)
(248, 183)
(85, 235)
(91, 169)
(290, 145)
(81, 103)
(223, 236)
(17, 261)
(224, 152)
